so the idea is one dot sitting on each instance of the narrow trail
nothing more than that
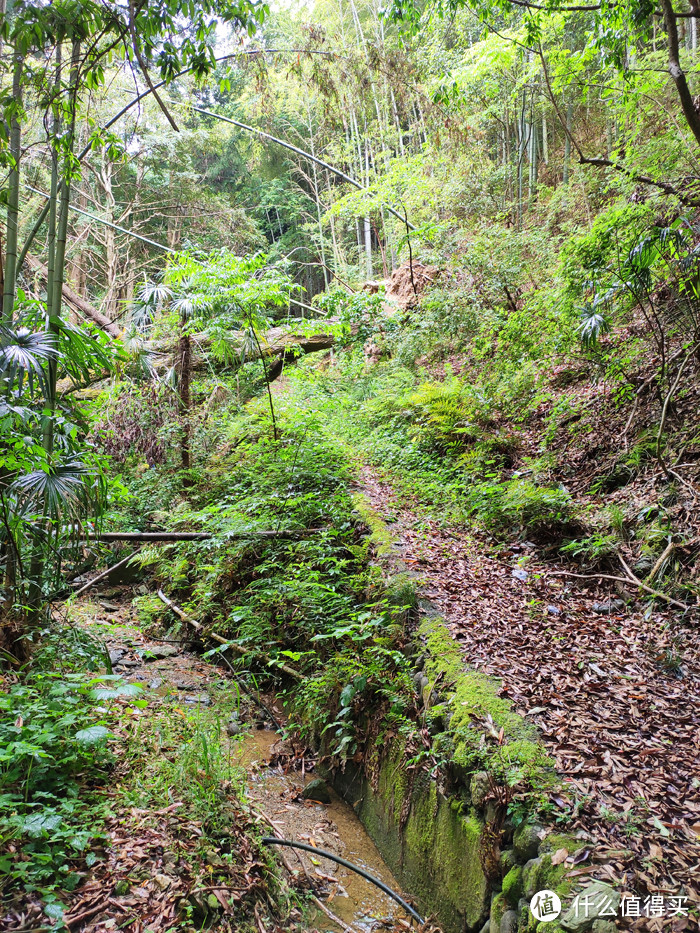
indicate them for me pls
(617, 712)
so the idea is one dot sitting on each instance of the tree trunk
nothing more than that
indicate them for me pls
(9, 282)
(691, 114)
(184, 393)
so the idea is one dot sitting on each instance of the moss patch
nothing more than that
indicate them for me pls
(380, 537)
(513, 885)
(471, 695)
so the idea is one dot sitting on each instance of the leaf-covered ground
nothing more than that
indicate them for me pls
(618, 709)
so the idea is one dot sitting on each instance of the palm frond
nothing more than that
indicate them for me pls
(24, 355)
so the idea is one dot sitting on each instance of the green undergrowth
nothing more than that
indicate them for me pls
(318, 598)
(56, 725)
(311, 598)
(442, 443)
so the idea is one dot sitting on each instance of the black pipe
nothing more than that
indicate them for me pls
(275, 841)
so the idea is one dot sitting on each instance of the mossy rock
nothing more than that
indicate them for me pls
(538, 875)
(471, 695)
(499, 905)
(513, 886)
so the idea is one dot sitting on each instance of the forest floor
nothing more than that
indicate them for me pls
(603, 679)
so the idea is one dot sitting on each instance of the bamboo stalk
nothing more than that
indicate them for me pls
(11, 236)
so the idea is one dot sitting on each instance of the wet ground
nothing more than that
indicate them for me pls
(333, 827)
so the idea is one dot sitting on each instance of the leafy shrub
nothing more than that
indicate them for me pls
(593, 548)
(537, 509)
(447, 414)
(52, 739)
(360, 314)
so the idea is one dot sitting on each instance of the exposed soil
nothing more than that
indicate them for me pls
(616, 695)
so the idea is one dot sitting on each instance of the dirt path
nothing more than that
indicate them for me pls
(615, 694)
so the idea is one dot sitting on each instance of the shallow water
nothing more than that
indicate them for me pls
(334, 827)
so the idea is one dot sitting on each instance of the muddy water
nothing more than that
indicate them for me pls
(333, 827)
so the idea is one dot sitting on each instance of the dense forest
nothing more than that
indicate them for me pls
(350, 466)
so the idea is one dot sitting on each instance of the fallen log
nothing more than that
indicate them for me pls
(181, 614)
(74, 301)
(279, 344)
(199, 535)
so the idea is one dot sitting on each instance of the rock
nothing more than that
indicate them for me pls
(185, 685)
(127, 664)
(530, 880)
(553, 611)
(597, 901)
(643, 565)
(609, 605)
(158, 652)
(155, 683)
(507, 861)
(486, 927)
(499, 908)
(234, 728)
(116, 655)
(509, 922)
(520, 574)
(513, 885)
(604, 926)
(163, 881)
(316, 790)
(122, 887)
(480, 786)
(526, 841)
(110, 607)
(199, 699)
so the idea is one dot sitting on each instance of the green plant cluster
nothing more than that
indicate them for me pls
(309, 598)
(54, 730)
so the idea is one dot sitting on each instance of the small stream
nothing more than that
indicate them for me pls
(334, 827)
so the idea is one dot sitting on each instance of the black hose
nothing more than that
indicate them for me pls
(275, 841)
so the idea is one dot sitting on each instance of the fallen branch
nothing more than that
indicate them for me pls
(668, 550)
(630, 579)
(101, 576)
(86, 914)
(181, 614)
(78, 304)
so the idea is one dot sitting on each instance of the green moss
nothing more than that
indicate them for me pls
(393, 779)
(513, 885)
(541, 875)
(380, 537)
(444, 849)
(556, 841)
(499, 905)
(473, 694)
